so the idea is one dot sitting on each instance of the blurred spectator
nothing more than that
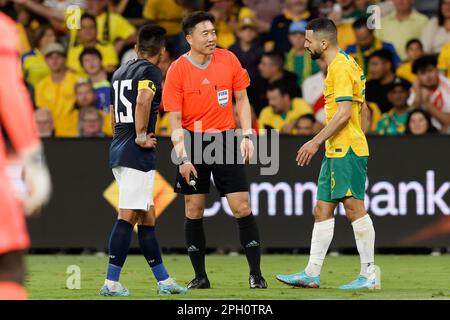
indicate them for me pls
(419, 123)
(87, 38)
(226, 14)
(168, 14)
(367, 43)
(296, 10)
(403, 24)
(437, 31)
(271, 70)
(90, 123)
(345, 32)
(165, 62)
(381, 77)
(349, 12)
(298, 59)
(33, 62)
(431, 91)
(52, 10)
(91, 61)
(393, 122)
(248, 48)
(111, 27)
(84, 95)
(86, 98)
(283, 109)
(266, 11)
(414, 51)
(444, 60)
(132, 10)
(56, 91)
(44, 121)
(304, 126)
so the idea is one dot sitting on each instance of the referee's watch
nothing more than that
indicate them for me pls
(185, 160)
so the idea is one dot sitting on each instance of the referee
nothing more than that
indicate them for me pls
(198, 93)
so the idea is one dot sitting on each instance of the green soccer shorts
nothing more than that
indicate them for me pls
(342, 177)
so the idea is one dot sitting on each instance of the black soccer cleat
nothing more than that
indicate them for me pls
(199, 283)
(257, 282)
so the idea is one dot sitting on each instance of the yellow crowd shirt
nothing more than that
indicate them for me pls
(59, 98)
(444, 60)
(110, 27)
(109, 57)
(345, 81)
(268, 119)
(34, 67)
(167, 13)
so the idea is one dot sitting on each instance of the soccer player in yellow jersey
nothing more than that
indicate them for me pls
(343, 172)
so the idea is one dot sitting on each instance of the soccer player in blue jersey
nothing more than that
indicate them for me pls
(135, 98)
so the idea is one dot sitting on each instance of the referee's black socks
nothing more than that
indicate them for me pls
(249, 236)
(195, 242)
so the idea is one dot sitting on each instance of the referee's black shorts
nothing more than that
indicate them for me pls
(228, 177)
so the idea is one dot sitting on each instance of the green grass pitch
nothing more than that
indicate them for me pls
(403, 277)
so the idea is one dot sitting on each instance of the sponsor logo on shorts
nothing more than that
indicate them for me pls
(252, 244)
(193, 248)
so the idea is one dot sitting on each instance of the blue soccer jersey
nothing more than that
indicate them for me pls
(126, 82)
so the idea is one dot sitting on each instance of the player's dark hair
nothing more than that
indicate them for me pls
(194, 18)
(90, 51)
(281, 85)
(412, 41)
(151, 39)
(275, 58)
(424, 62)
(324, 26)
(361, 23)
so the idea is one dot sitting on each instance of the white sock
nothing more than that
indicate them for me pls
(112, 285)
(321, 239)
(168, 281)
(365, 242)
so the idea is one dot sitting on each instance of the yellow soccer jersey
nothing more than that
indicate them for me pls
(345, 82)
(444, 60)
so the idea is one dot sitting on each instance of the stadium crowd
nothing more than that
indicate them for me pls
(70, 48)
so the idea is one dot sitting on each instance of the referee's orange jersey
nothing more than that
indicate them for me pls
(16, 117)
(204, 93)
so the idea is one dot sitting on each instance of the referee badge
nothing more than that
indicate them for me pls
(222, 97)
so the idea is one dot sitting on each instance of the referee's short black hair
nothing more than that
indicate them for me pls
(423, 63)
(325, 27)
(151, 39)
(194, 18)
(90, 51)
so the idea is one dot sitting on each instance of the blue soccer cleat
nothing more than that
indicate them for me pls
(119, 291)
(170, 288)
(362, 282)
(300, 280)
